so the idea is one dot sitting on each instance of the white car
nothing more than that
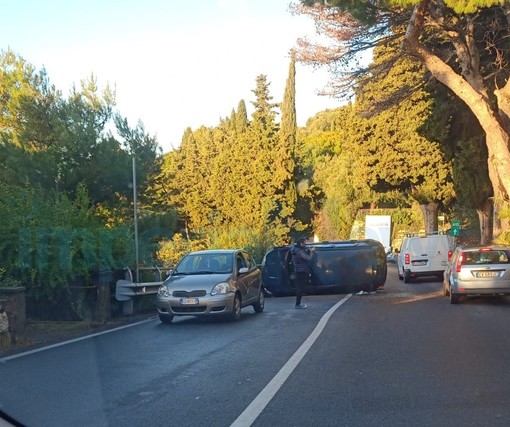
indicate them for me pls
(421, 256)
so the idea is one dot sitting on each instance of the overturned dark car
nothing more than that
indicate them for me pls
(337, 267)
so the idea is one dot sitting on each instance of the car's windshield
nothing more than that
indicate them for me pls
(205, 264)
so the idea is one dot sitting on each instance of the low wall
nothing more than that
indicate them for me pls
(13, 300)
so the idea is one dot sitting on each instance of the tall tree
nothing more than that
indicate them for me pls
(402, 152)
(462, 44)
(241, 118)
(285, 156)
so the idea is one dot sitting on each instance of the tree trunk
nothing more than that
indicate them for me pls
(497, 138)
(485, 218)
(429, 212)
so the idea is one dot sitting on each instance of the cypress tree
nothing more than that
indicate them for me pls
(285, 156)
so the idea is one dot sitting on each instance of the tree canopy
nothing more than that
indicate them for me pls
(464, 45)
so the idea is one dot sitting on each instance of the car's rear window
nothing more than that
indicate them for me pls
(486, 257)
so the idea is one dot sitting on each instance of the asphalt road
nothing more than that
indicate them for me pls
(400, 357)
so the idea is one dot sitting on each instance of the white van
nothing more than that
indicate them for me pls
(423, 256)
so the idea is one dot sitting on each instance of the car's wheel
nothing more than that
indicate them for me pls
(400, 277)
(236, 309)
(454, 298)
(407, 276)
(259, 305)
(166, 318)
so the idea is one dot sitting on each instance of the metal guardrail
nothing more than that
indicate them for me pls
(128, 292)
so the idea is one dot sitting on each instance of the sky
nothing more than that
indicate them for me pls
(174, 64)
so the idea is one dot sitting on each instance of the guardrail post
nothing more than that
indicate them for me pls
(130, 293)
(125, 294)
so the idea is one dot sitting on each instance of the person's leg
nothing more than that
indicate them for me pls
(300, 284)
(299, 291)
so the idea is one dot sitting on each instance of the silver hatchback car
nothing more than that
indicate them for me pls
(211, 283)
(477, 270)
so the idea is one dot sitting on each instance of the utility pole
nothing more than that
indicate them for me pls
(135, 214)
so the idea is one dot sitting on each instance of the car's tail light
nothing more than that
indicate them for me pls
(450, 253)
(485, 249)
(407, 259)
(459, 262)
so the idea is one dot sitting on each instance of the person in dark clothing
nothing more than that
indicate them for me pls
(300, 260)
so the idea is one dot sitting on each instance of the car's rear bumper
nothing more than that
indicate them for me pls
(424, 273)
(477, 290)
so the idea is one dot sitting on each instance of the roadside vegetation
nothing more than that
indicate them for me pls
(404, 143)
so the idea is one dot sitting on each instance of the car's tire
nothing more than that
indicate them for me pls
(259, 305)
(407, 276)
(235, 315)
(167, 319)
(454, 298)
(400, 277)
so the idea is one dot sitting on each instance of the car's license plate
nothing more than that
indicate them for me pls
(487, 274)
(419, 262)
(189, 301)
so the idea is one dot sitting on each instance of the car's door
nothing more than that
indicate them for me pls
(253, 277)
(249, 279)
(240, 277)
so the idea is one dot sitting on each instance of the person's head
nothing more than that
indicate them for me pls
(301, 241)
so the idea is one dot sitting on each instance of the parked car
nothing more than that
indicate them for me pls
(211, 283)
(477, 270)
(421, 256)
(339, 266)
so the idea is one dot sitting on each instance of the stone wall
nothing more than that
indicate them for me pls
(13, 300)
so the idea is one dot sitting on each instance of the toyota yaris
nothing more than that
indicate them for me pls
(211, 283)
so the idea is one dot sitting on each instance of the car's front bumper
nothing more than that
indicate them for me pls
(208, 305)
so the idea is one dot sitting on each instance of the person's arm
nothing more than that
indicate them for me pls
(305, 255)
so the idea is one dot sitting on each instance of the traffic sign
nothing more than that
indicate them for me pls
(455, 228)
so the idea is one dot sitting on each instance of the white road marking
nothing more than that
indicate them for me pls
(37, 350)
(264, 397)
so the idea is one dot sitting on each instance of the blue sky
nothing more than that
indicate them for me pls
(173, 63)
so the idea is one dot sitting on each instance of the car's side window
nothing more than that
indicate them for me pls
(248, 260)
(240, 262)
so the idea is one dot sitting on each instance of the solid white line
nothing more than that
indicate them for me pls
(264, 397)
(37, 350)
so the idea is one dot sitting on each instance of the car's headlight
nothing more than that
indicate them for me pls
(220, 288)
(163, 291)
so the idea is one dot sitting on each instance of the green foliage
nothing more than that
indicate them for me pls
(459, 6)
(257, 242)
(171, 251)
(50, 243)
(504, 214)
(66, 184)
(470, 65)
(7, 281)
(238, 175)
(375, 152)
